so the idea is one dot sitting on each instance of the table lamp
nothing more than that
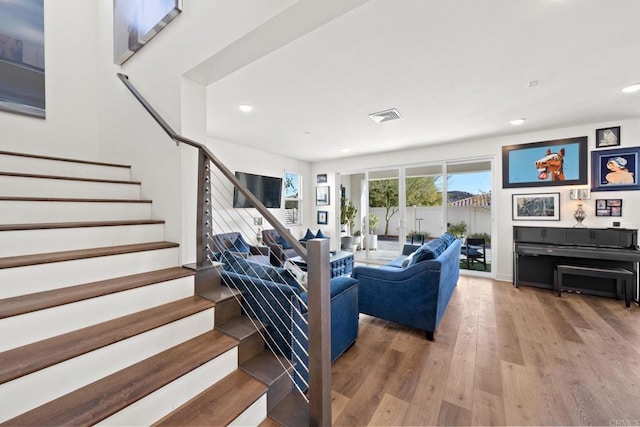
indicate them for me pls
(579, 194)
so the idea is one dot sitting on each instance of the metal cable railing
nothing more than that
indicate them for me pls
(267, 303)
(308, 350)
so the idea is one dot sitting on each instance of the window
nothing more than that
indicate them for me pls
(292, 199)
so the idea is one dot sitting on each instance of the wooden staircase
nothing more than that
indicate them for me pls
(99, 322)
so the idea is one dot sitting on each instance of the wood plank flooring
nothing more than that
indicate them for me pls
(502, 356)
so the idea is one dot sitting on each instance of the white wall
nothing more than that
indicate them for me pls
(71, 86)
(502, 239)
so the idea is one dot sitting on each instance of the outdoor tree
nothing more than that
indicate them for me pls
(421, 191)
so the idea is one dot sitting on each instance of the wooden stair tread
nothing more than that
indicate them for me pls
(241, 327)
(70, 199)
(44, 258)
(68, 178)
(85, 224)
(103, 398)
(42, 354)
(63, 159)
(219, 404)
(293, 410)
(267, 367)
(42, 300)
(220, 294)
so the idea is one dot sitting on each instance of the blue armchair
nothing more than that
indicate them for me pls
(274, 297)
(234, 242)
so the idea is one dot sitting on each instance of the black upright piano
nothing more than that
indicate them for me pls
(538, 249)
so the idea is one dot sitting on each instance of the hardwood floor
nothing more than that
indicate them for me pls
(502, 356)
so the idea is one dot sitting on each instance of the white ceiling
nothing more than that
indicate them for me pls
(455, 70)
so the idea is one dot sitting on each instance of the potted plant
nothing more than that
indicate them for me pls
(371, 240)
(357, 239)
(348, 213)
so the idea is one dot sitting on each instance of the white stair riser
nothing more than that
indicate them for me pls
(19, 164)
(43, 277)
(25, 242)
(25, 329)
(253, 415)
(161, 402)
(15, 186)
(29, 212)
(31, 391)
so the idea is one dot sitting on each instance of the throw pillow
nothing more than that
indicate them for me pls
(321, 235)
(408, 259)
(422, 254)
(448, 238)
(308, 235)
(283, 242)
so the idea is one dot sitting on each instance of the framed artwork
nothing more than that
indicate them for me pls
(609, 207)
(321, 178)
(615, 170)
(323, 217)
(608, 137)
(546, 163)
(135, 22)
(322, 196)
(536, 207)
(22, 57)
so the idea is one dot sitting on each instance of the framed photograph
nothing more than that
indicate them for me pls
(321, 178)
(536, 207)
(615, 170)
(22, 58)
(323, 217)
(608, 137)
(322, 196)
(546, 163)
(609, 207)
(136, 22)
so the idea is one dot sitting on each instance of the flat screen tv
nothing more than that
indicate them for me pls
(266, 188)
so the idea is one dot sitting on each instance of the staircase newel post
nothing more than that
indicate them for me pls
(319, 332)
(203, 210)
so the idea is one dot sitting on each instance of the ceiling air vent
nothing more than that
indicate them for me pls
(385, 116)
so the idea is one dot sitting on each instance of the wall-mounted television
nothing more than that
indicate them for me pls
(267, 189)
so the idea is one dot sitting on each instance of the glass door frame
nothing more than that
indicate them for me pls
(402, 211)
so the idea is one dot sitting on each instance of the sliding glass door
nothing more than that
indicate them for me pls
(413, 204)
(469, 215)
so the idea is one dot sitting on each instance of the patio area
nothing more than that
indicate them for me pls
(388, 250)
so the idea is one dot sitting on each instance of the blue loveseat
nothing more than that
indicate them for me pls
(415, 288)
(274, 297)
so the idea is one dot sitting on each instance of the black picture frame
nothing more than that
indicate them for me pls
(545, 163)
(609, 207)
(608, 137)
(321, 178)
(621, 175)
(323, 218)
(322, 196)
(535, 207)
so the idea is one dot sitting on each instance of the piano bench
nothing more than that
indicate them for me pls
(622, 277)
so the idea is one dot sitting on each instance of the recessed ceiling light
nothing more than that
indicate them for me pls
(632, 88)
(245, 108)
(517, 122)
(345, 149)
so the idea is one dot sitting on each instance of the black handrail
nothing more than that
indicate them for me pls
(301, 250)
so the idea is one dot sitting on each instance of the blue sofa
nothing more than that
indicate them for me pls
(274, 297)
(415, 288)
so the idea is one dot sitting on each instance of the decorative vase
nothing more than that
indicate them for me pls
(580, 215)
